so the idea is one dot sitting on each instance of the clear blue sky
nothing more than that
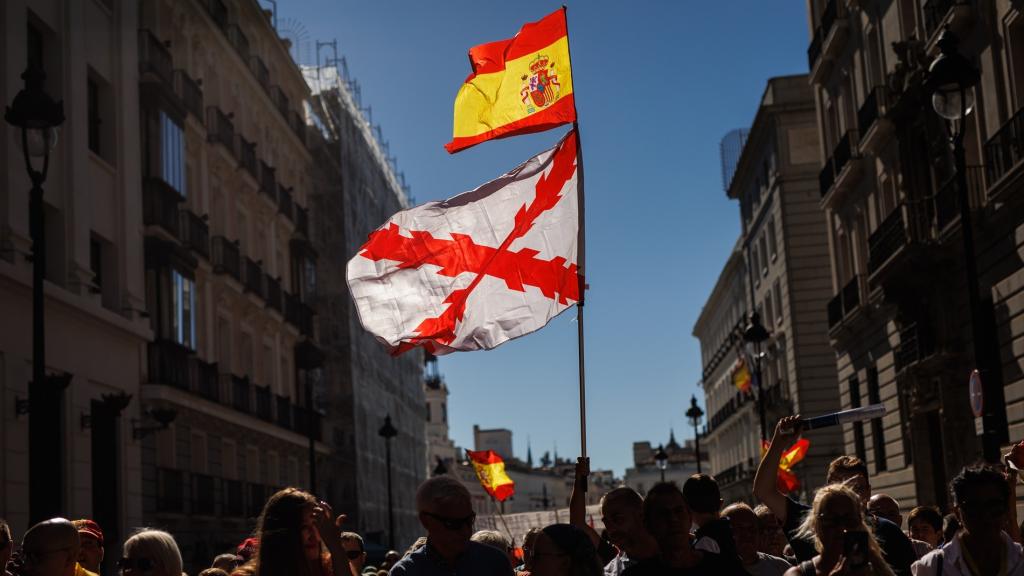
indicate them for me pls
(657, 85)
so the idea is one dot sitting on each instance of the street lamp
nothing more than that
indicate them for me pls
(754, 335)
(661, 458)
(951, 80)
(387, 432)
(38, 116)
(695, 414)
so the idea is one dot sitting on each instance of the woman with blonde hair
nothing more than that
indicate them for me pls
(293, 530)
(151, 552)
(835, 513)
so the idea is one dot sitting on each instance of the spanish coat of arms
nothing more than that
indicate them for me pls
(541, 87)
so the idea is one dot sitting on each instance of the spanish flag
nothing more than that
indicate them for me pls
(741, 375)
(490, 470)
(787, 481)
(519, 85)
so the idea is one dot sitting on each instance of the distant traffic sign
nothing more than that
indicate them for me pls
(976, 393)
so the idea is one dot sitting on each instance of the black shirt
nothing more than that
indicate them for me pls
(896, 547)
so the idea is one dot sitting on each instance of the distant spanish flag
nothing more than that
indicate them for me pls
(490, 470)
(741, 375)
(519, 85)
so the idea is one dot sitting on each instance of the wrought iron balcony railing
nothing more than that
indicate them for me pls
(168, 364)
(220, 129)
(155, 59)
(190, 93)
(195, 233)
(1005, 148)
(160, 205)
(247, 157)
(226, 257)
(268, 183)
(264, 407)
(947, 199)
(285, 202)
(241, 394)
(253, 280)
(273, 293)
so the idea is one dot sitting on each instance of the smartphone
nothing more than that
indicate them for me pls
(855, 548)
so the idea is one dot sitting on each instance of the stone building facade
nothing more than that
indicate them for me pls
(899, 319)
(365, 383)
(230, 280)
(785, 255)
(94, 292)
(680, 465)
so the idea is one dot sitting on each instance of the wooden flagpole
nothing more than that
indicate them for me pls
(580, 266)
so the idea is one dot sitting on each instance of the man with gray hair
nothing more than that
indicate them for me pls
(445, 510)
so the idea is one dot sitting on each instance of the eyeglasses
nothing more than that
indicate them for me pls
(353, 554)
(453, 523)
(140, 564)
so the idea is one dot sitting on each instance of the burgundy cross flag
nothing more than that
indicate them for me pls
(479, 269)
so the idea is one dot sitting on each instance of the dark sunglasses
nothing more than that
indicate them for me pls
(140, 564)
(353, 554)
(454, 523)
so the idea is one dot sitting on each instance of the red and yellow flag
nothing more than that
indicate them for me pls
(741, 375)
(787, 481)
(490, 470)
(519, 85)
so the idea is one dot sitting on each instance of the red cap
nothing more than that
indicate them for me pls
(247, 549)
(89, 528)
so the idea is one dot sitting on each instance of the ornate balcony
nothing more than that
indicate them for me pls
(160, 206)
(1003, 153)
(844, 304)
(938, 14)
(831, 36)
(284, 412)
(846, 166)
(155, 63)
(226, 258)
(247, 157)
(899, 240)
(947, 199)
(206, 379)
(285, 203)
(268, 183)
(190, 93)
(218, 12)
(917, 343)
(273, 293)
(195, 233)
(253, 278)
(219, 129)
(238, 41)
(875, 128)
(264, 405)
(241, 394)
(168, 364)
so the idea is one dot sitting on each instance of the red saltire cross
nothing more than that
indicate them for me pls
(461, 254)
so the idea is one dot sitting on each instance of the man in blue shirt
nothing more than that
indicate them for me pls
(446, 512)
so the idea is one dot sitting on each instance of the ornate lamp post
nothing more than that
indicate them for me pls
(38, 116)
(661, 458)
(695, 414)
(951, 80)
(754, 335)
(387, 432)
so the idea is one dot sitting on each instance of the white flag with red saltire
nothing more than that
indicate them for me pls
(479, 269)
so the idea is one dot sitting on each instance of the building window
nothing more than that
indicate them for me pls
(428, 411)
(93, 97)
(764, 256)
(183, 291)
(768, 311)
(754, 265)
(772, 247)
(858, 427)
(777, 298)
(877, 429)
(444, 412)
(172, 153)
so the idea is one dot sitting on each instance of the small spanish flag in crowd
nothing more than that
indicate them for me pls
(787, 481)
(519, 85)
(490, 470)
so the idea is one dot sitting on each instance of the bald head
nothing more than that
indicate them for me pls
(51, 548)
(885, 506)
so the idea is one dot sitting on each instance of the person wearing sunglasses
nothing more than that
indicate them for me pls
(445, 510)
(355, 552)
(981, 547)
(151, 553)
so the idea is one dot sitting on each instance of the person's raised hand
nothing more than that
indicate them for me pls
(787, 431)
(328, 526)
(582, 470)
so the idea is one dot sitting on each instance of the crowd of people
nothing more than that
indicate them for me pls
(671, 530)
